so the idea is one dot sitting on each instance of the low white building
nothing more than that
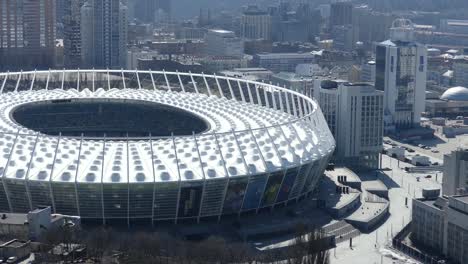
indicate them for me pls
(354, 113)
(418, 160)
(396, 152)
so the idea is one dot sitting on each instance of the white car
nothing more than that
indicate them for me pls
(434, 151)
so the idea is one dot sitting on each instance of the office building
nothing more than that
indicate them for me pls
(455, 172)
(223, 43)
(401, 66)
(104, 34)
(27, 38)
(354, 113)
(256, 24)
(72, 32)
(441, 225)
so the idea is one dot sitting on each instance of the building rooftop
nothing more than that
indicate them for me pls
(455, 94)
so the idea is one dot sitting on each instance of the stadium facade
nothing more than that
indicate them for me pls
(150, 146)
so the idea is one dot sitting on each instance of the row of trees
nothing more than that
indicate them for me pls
(107, 245)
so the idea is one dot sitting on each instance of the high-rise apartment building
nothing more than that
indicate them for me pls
(104, 34)
(455, 172)
(256, 24)
(354, 113)
(401, 66)
(27, 34)
(72, 33)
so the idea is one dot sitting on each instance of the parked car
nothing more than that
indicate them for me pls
(12, 260)
(434, 151)
(428, 176)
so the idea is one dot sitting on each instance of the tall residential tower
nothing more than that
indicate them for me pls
(104, 34)
(27, 34)
(401, 66)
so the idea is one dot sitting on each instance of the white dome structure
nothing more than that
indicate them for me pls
(151, 146)
(456, 94)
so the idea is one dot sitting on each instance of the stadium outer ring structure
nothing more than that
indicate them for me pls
(266, 146)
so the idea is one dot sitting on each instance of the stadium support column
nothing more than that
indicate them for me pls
(123, 79)
(138, 79)
(267, 102)
(33, 80)
(77, 199)
(28, 192)
(4, 82)
(128, 184)
(47, 82)
(154, 177)
(63, 80)
(257, 92)
(204, 179)
(239, 86)
(224, 166)
(230, 89)
(78, 81)
(221, 94)
(250, 94)
(152, 80)
(180, 182)
(180, 82)
(281, 160)
(194, 83)
(18, 81)
(6, 169)
(108, 81)
(52, 173)
(207, 85)
(167, 81)
(102, 178)
(229, 179)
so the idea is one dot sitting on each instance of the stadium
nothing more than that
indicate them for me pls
(146, 146)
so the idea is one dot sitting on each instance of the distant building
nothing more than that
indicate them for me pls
(344, 37)
(452, 103)
(223, 43)
(72, 33)
(456, 26)
(256, 24)
(104, 34)
(354, 113)
(455, 172)
(341, 13)
(254, 74)
(401, 66)
(368, 72)
(135, 54)
(150, 11)
(441, 224)
(27, 35)
(460, 71)
(293, 81)
(282, 62)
